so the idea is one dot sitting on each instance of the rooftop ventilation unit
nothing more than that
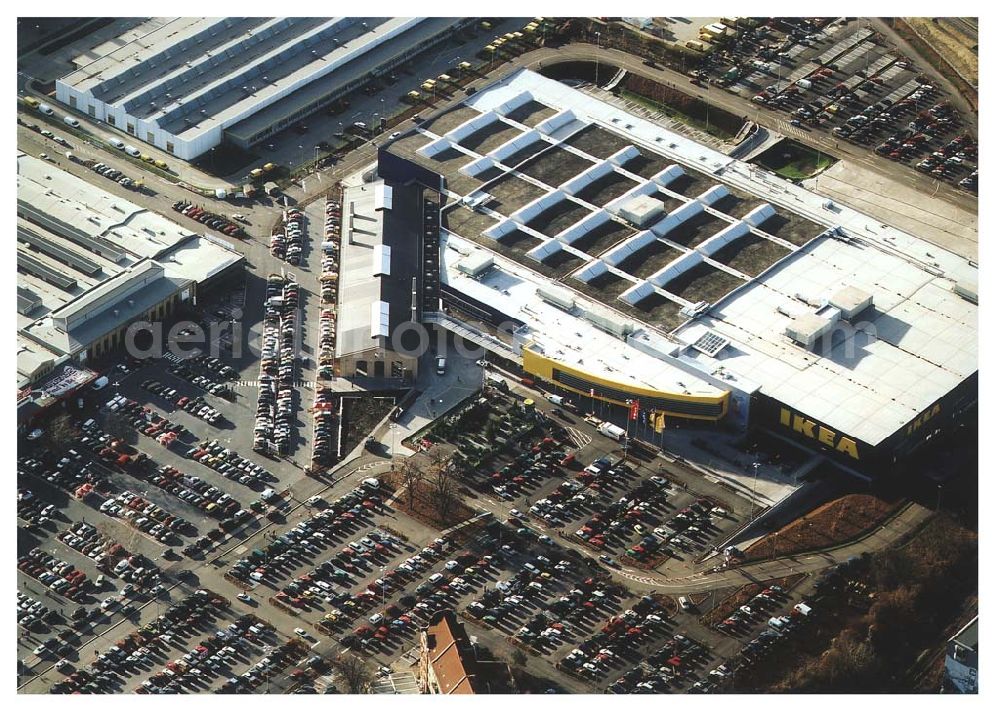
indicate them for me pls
(810, 327)
(967, 290)
(557, 297)
(608, 324)
(695, 310)
(851, 301)
(475, 264)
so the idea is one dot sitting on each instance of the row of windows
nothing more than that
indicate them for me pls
(668, 405)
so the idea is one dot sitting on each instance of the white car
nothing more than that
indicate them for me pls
(301, 632)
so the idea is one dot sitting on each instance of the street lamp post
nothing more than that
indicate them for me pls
(596, 65)
(753, 500)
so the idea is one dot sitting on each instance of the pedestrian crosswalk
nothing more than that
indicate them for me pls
(255, 383)
(785, 128)
(578, 438)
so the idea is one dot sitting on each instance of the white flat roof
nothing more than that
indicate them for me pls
(360, 287)
(562, 336)
(91, 210)
(917, 342)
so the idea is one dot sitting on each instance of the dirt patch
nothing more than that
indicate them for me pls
(794, 228)
(656, 310)
(518, 240)
(361, 415)
(649, 259)
(696, 229)
(953, 40)
(562, 262)
(605, 288)
(526, 152)
(466, 222)
(839, 521)
(647, 164)
(488, 138)
(422, 508)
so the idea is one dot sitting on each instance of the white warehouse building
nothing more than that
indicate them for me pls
(181, 84)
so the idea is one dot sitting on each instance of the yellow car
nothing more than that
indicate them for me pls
(160, 163)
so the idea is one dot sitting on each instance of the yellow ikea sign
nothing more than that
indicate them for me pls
(820, 433)
(924, 417)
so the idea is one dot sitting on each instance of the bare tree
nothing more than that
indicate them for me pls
(59, 435)
(356, 674)
(443, 490)
(119, 426)
(410, 477)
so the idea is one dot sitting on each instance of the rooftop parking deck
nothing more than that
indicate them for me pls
(608, 187)
(488, 138)
(751, 254)
(558, 217)
(598, 240)
(703, 282)
(555, 166)
(649, 259)
(531, 113)
(447, 121)
(598, 142)
(511, 193)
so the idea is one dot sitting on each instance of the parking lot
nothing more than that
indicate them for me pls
(846, 79)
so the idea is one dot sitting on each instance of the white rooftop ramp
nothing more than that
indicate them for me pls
(668, 176)
(678, 216)
(584, 226)
(512, 147)
(529, 211)
(587, 177)
(628, 247)
(675, 268)
(469, 127)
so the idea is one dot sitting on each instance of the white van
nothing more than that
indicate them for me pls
(611, 430)
(440, 365)
(71, 121)
(268, 494)
(553, 398)
(101, 383)
(116, 143)
(45, 109)
(131, 151)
